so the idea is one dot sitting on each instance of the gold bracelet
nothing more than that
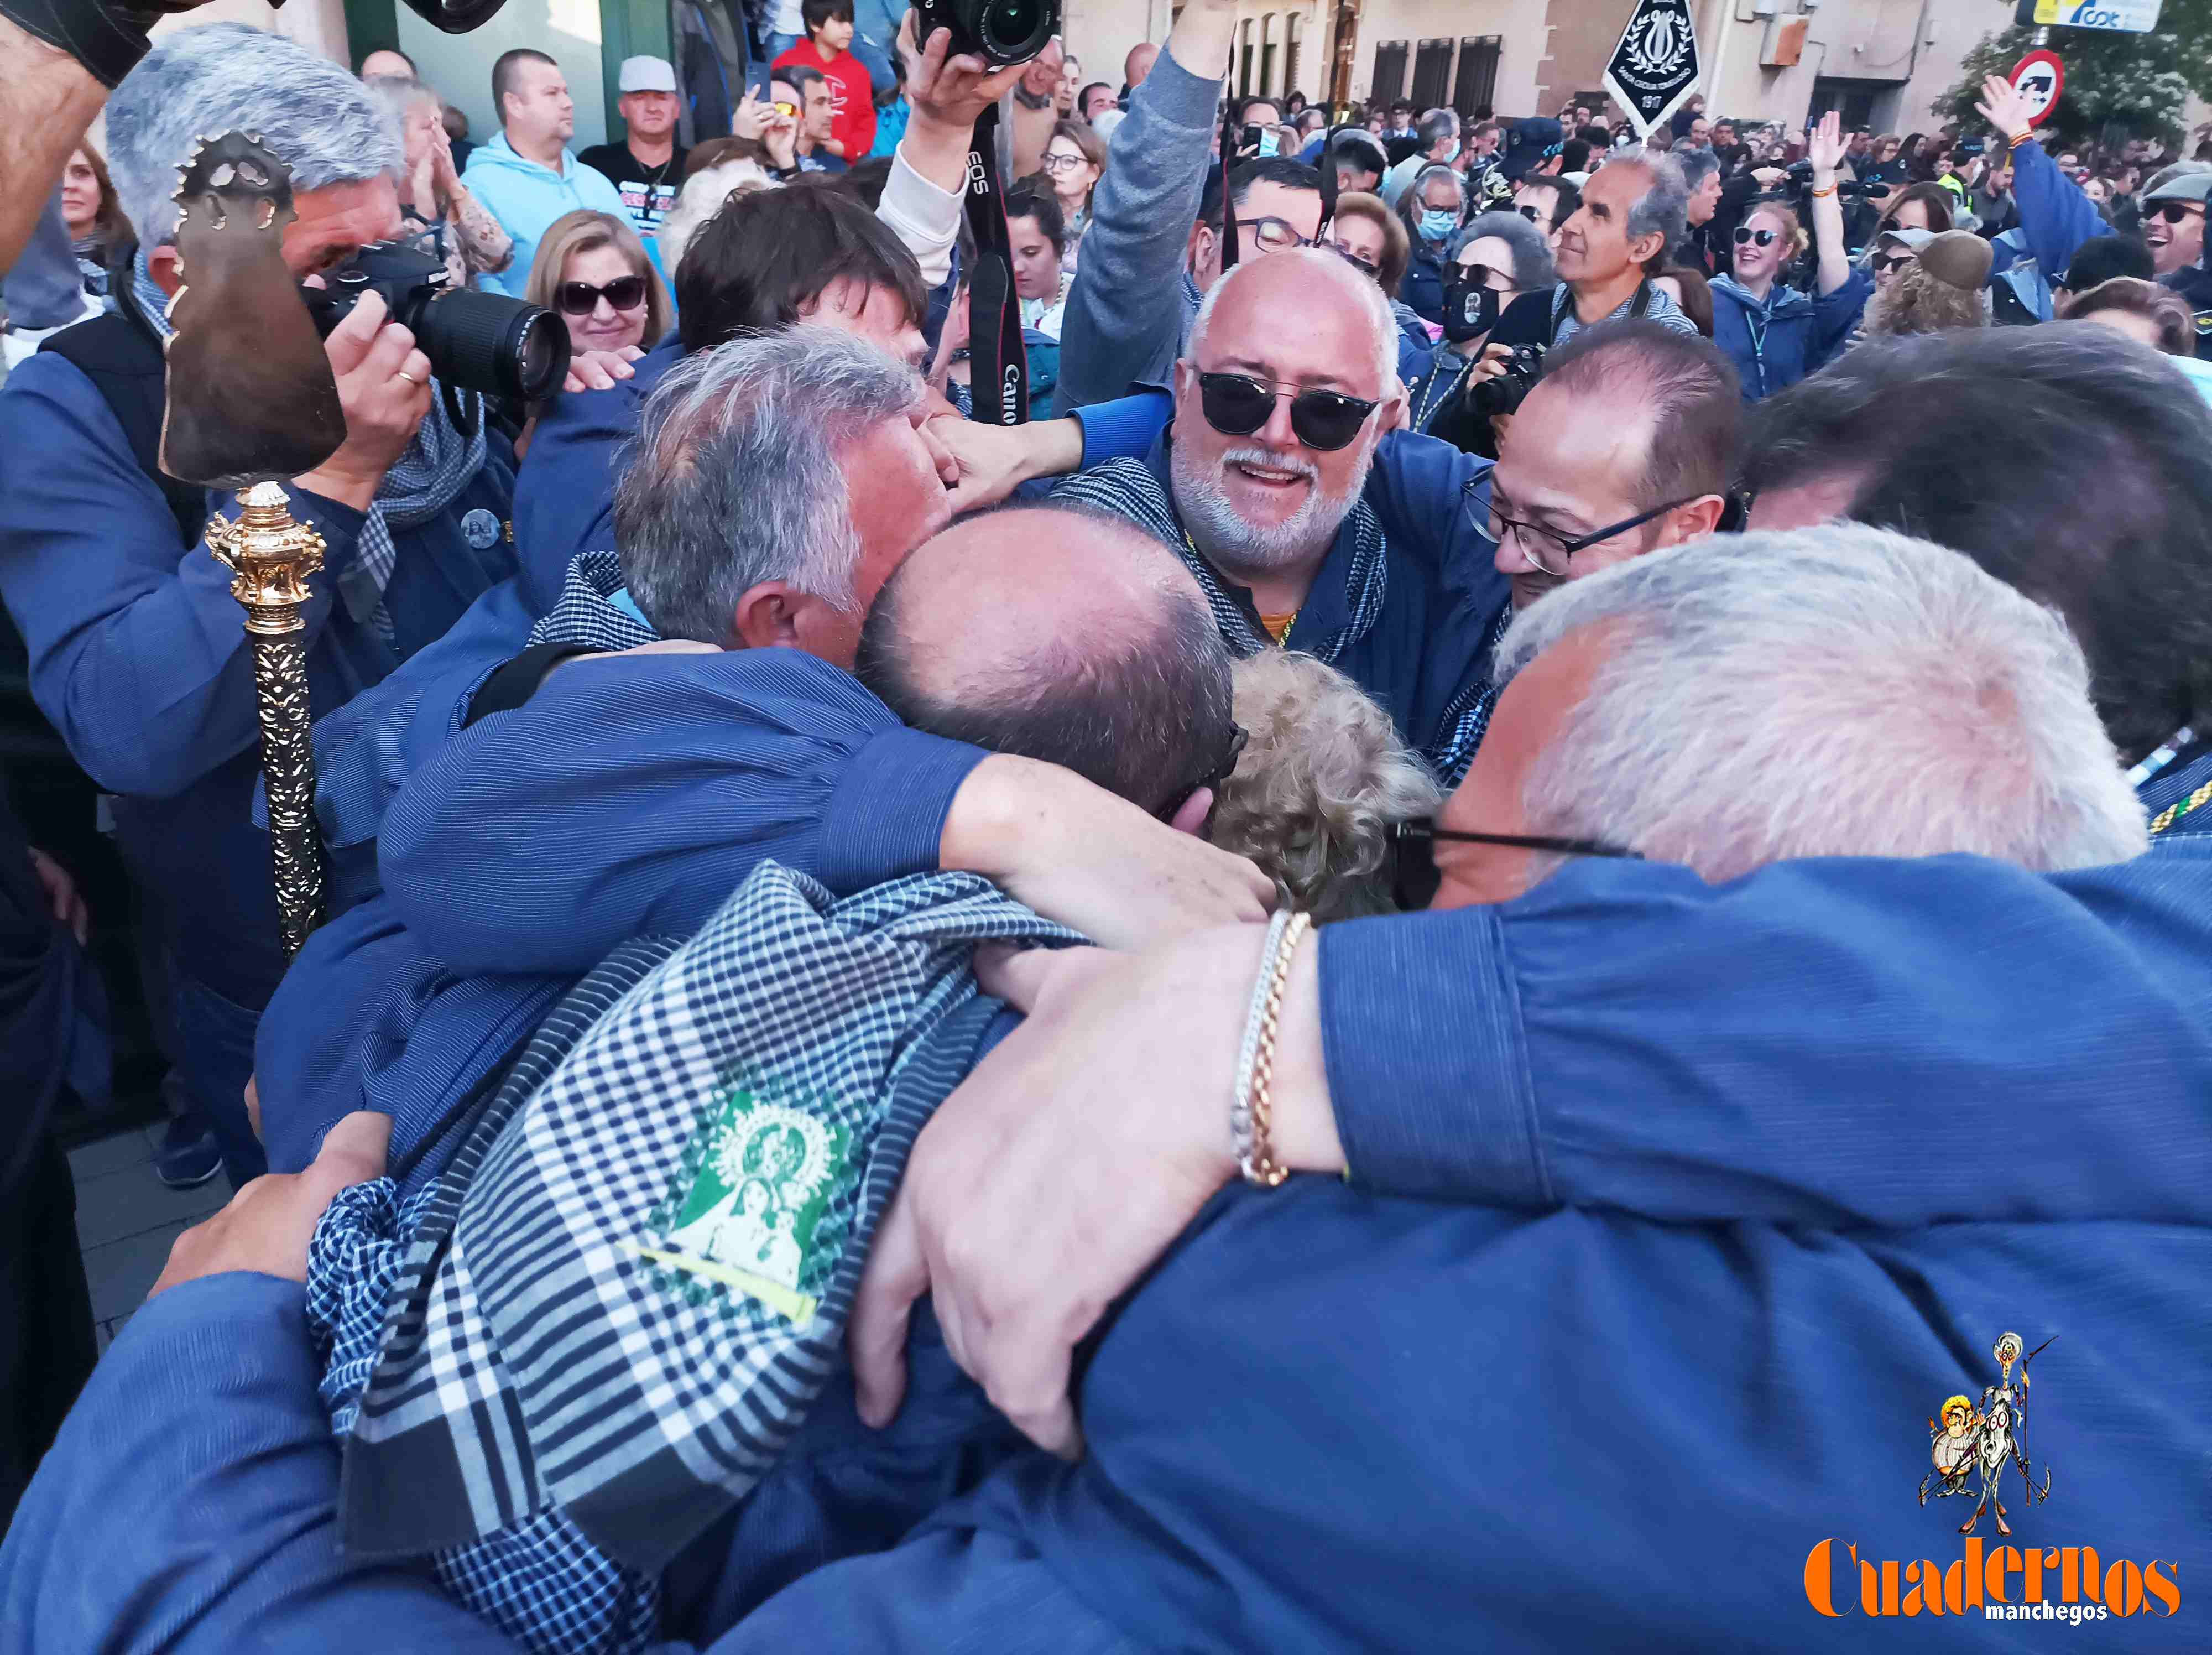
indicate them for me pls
(1258, 1164)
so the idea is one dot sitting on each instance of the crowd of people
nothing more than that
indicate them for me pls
(1529, 858)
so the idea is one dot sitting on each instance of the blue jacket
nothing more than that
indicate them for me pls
(1744, 1182)
(526, 198)
(1776, 342)
(2055, 216)
(1422, 284)
(138, 653)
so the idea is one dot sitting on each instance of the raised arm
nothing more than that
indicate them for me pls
(2055, 216)
(1125, 306)
(47, 100)
(1827, 149)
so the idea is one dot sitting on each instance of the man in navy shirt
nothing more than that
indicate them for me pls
(1270, 487)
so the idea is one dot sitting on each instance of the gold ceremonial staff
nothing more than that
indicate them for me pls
(270, 557)
(251, 401)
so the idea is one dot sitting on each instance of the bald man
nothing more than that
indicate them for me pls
(1135, 67)
(1305, 528)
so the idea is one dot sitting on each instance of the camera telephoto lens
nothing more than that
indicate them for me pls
(483, 342)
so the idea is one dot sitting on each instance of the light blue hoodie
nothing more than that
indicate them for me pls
(526, 198)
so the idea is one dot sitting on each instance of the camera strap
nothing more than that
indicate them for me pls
(1228, 134)
(999, 373)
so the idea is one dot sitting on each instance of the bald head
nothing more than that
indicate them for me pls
(1139, 63)
(1059, 635)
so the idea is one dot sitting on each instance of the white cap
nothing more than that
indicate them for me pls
(648, 75)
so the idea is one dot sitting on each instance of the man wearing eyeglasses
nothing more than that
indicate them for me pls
(1304, 529)
(1627, 444)
(1154, 246)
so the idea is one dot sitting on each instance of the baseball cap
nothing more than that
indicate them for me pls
(1958, 257)
(648, 75)
(2190, 187)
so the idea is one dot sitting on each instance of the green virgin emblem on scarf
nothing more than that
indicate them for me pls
(746, 1206)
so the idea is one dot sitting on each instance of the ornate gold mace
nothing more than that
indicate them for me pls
(270, 557)
(251, 400)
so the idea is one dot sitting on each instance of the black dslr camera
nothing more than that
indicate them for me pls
(999, 32)
(481, 342)
(1503, 393)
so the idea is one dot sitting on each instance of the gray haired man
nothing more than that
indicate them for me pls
(1632, 211)
(137, 652)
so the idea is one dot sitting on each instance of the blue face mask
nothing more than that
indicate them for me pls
(1453, 156)
(1270, 145)
(1437, 223)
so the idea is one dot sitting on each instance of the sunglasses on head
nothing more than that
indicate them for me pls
(1236, 405)
(2171, 211)
(582, 298)
(1765, 238)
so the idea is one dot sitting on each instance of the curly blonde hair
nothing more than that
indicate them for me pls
(1919, 301)
(1322, 778)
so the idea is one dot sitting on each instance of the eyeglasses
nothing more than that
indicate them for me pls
(1272, 234)
(1063, 163)
(582, 298)
(1415, 878)
(1350, 257)
(1765, 238)
(1532, 538)
(1534, 215)
(2173, 211)
(1236, 405)
(1883, 263)
(1221, 769)
(1482, 276)
(790, 110)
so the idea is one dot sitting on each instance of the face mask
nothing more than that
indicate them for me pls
(1470, 309)
(1270, 145)
(1436, 223)
(1452, 155)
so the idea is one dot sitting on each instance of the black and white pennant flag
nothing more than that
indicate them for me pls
(1655, 65)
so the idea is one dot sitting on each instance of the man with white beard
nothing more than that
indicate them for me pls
(1307, 527)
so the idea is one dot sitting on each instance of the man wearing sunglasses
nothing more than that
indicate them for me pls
(1271, 486)
(1154, 246)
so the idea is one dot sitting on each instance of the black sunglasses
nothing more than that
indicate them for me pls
(1883, 263)
(1765, 238)
(1415, 878)
(2171, 211)
(1236, 405)
(582, 298)
(1534, 215)
(1220, 771)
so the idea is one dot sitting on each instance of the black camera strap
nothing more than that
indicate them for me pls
(1228, 135)
(998, 372)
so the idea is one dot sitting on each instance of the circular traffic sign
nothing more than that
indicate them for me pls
(2038, 77)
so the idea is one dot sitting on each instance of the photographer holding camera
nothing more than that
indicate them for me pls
(1774, 334)
(136, 653)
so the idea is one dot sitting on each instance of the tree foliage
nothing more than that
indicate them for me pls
(2138, 81)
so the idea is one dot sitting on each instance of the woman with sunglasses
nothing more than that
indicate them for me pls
(1774, 334)
(593, 270)
(1495, 259)
(1366, 234)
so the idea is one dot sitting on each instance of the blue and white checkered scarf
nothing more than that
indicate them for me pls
(421, 482)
